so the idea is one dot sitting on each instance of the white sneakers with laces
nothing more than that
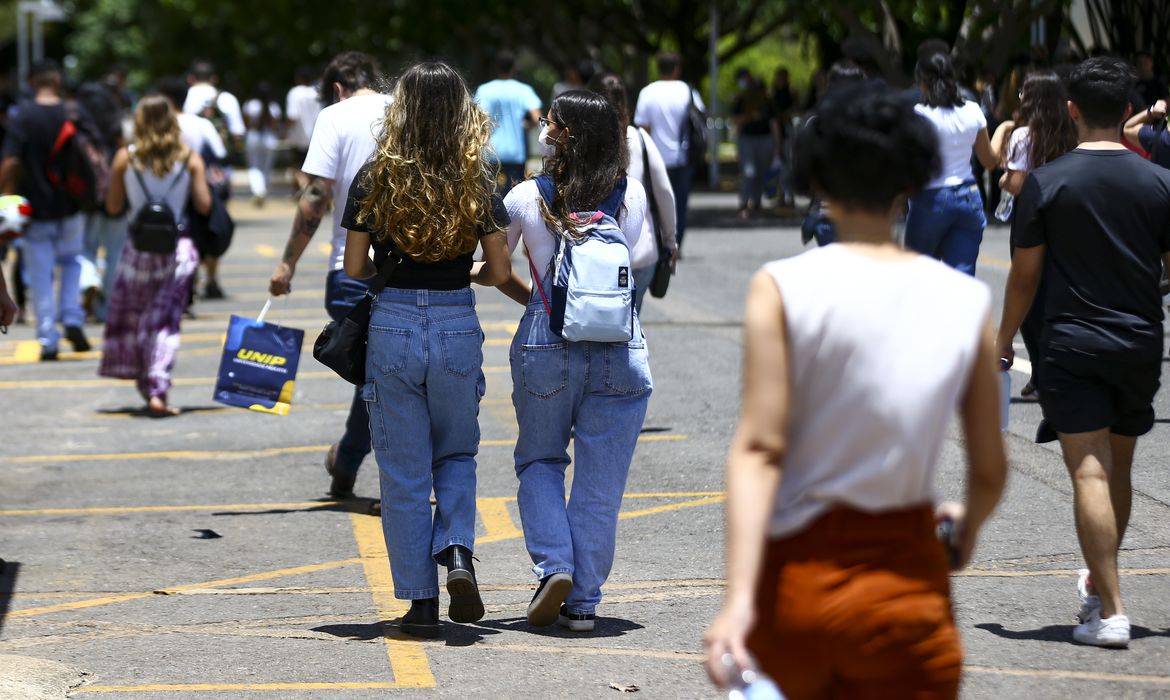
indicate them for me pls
(1109, 632)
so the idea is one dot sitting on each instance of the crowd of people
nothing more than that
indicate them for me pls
(824, 481)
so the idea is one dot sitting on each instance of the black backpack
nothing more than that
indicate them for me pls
(153, 228)
(696, 130)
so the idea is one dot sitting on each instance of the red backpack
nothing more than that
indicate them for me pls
(77, 166)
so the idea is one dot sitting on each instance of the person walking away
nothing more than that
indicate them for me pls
(946, 220)
(513, 107)
(757, 140)
(343, 139)
(595, 392)
(56, 235)
(663, 110)
(817, 224)
(837, 586)
(1147, 130)
(421, 198)
(198, 133)
(152, 289)
(1100, 207)
(263, 115)
(1045, 132)
(302, 105)
(783, 109)
(644, 254)
(222, 109)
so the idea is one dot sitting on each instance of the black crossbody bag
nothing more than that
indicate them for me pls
(342, 345)
(661, 280)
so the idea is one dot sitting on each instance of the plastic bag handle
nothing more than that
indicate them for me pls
(264, 311)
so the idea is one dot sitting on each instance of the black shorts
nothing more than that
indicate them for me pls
(1081, 392)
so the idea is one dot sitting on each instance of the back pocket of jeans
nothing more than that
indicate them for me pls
(544, 369)
(462, 351)
(387, 348)
(627, 367)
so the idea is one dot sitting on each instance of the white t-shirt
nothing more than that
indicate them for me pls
(199, 135)
(1019, 150)
(302, 106)
(523, 205)
(201, 94)
(663, 109)
(252, 112)
(343, 139)
(957, 129)
(645, 251)
(880, 354)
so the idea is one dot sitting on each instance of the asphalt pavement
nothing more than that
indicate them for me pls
(110, 586)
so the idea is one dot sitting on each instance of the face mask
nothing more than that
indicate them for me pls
(547, 147)
(743, 84)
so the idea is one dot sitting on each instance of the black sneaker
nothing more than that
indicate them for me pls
(466, 605)
(422, 620)
(213, 291)
(553, 590)
(342, 484)
(77, 339)
(48, 355)
(577, 622)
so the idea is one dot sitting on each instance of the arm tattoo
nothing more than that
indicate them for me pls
(315, 198)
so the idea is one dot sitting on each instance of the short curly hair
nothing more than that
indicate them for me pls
(865, 147)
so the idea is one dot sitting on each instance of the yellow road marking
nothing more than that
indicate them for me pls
(994, 262)
(1074, 675)
(264, 250)
(108, 600)
(298, 408)
(497, 519)
(324, 249)
(236, 454)
(228, 687)
(408, 660)
(27, 351)
(670, 507)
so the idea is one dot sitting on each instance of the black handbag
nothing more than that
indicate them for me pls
(342, 345)
(662, 272)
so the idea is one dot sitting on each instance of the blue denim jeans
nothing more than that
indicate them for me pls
(680, 181)
(51, 244)
(424, 381)
(108, 234)
(947, 223)
(342, 293)
(597, 393)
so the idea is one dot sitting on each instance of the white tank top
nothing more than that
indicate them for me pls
(880, 354)
(176, 197)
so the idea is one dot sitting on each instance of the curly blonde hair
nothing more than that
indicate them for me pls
(158, 142)
(430, 180)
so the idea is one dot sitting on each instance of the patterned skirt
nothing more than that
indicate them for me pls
(146, 307)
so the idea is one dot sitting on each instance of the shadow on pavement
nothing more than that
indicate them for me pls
(1059, 633)
(8, 572)
(141, 412)
(606, 627)
(455, 635)
(352, 505)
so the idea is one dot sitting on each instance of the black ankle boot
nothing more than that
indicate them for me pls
(466, 605)
(422, 620)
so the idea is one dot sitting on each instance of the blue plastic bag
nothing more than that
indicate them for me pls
(258, 369)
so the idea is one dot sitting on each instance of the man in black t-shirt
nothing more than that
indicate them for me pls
(1100, 214)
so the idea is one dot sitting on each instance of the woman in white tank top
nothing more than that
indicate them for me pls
(857, 356)
(152, 289)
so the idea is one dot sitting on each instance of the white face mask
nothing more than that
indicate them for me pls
(547, 148)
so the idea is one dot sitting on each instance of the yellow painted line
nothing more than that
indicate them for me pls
(497, 518)
(324, 249)
(235, 454)
(27, 351)
(408, 660)
(994, 262)
(297, 408)
(985, 573)
(670, 507)
(1069, 675)
(275, 313)
(170, 509)
(264, 250)
(178, 381)
(109, 600)
(231, 687)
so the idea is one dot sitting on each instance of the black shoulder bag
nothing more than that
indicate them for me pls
(342, 346)
(661, 280)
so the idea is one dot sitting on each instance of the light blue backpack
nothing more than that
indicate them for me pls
(592, 279)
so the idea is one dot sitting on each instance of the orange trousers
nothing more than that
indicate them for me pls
(858, 606)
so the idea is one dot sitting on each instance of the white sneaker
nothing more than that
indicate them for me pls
(1110, 632)
(1089, 601)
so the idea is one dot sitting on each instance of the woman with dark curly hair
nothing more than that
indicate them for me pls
(593, 392)
(856, 357)
(427, 197)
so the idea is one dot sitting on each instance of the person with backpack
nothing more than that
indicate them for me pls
(45, 159)
(424, 201)
(580, 366)
(153, 179)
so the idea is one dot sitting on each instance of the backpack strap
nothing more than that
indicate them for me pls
(544, 183)
(610, 205)
(146, 190)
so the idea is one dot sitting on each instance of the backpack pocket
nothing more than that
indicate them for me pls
(603, 316)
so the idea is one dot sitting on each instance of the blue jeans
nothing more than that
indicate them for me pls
(680, 181)
(109, 234)
(50, 244)
(947, 223)
(342, 293)
(424, 381)
(754, 153)
(643, 276)
(597, 393)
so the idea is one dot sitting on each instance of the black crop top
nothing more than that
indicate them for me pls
(410, 274)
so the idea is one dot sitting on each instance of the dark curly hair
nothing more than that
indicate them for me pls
(1100, 88)
(865, 148)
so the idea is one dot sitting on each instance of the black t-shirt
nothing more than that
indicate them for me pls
(32, 131)
(757, 107)
(411, 274)
(1105, 219)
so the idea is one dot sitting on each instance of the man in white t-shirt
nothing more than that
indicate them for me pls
(663, 110)
(301, 107)
(344, 136)
(199, 134)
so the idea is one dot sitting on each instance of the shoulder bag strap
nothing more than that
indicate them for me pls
(1159, 130)
(385, 272)
(653, 201)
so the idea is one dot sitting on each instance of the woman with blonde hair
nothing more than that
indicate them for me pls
(151, 290)
(426, 199)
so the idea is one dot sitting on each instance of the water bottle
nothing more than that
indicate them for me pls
(749, 684)
(1005, 392)
(1004, 211)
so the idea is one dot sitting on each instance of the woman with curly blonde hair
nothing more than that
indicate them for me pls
(426, 197)
(152, 289)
